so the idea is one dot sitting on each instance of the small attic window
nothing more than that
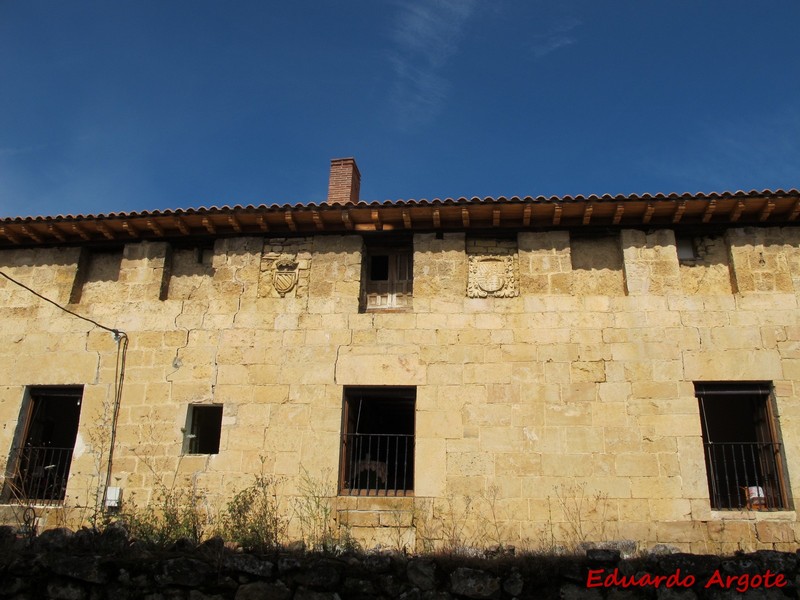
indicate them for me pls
(687, 249)
(203, 429)
(388, 279)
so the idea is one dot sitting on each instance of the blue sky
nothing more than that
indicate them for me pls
(127, 105)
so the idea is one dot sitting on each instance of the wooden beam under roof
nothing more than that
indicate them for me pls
(262, 223)
(30, 233)
(526, 215)
(465, 217)
(53, 230)
(648, 212)
(795, 210)
(406, 218)
(101, 227)
(348, 222)
(6, 232)
(496, 216)
(709, 212)
(437, 221)
(680, 208)
(155, 227)
(557, 214)
(376, 219)
(618, 212)
(209, 225)
(234, 222)
(318, 222)
(767, 210)
(181, 225)
(289, 218)
(737, 211)
(128, 227)
(81, 232)
(587, 213)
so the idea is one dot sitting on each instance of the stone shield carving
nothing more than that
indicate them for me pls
(492, 276)
(284, 277)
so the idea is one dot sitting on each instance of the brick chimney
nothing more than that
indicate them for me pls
(345, 181)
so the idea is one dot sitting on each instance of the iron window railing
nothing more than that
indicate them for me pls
(377, 464)
(744, 476)
(41, 475)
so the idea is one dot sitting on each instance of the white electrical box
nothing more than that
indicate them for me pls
(113, 497)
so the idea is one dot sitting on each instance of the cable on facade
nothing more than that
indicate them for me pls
(119, 370)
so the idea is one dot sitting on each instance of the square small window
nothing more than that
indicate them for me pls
(203, 428)
(388, 281)
(377, 451)
(744, 460)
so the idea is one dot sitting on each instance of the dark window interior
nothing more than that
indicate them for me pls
(204, 430)
(378, 441)
(40, 465)
(379, 267)
(742, 452)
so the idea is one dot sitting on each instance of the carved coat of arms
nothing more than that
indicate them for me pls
(284, 277)
(492, 276)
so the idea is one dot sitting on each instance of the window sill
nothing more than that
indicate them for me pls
(754, 515)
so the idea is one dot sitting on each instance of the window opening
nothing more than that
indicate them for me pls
(388, 278)
(377, 452)
(742, 450)
(687, 251)
(40, 463)
(203, 430)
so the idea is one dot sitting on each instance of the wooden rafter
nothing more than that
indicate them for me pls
(376, 219)
(648, 212)
(737, 211)
(5, 232)
(155, 227)
(709, 212)
(348, 222)
(437, 221)
(234, 222)
(795, 210)
(181, 225)
(464, 217)
(767, 210)
(557, 214)
(53, 230)
(262, 223)
(101, 227)
(30, 233)
(587, 213)
(618, 211)
(318, 222)
(679, 210)
(496, 216)
(526, 215)
(289, 218)
(406, 219)
(209, 225)
(81, 232)
(128, 227)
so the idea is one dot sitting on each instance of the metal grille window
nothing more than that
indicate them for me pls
(742, 450)
(377, 451)
(42, 454)
(388, 280)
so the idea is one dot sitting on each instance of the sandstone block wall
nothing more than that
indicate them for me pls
(563, 414)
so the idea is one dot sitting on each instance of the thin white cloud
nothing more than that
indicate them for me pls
(426, 35)
(557, 36)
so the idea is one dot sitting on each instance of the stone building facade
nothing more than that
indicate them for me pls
(528, 371)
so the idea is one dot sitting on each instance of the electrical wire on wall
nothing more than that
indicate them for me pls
(121, 338)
